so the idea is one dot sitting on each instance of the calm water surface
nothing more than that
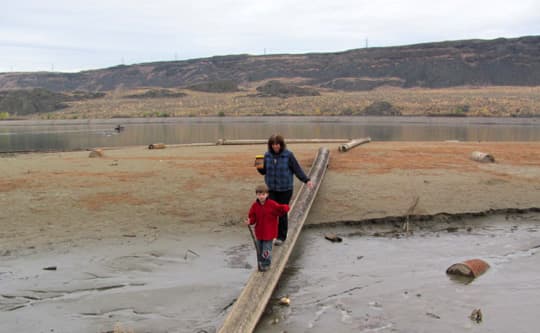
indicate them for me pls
(83, 134)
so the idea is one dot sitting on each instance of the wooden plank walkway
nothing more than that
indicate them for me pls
(248, 308)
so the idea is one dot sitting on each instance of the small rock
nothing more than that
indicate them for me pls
(284, 300)
(333, 237)
(432, 315)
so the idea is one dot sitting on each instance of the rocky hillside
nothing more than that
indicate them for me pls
(512, 62)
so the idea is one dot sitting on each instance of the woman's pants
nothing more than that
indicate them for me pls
(282, 198)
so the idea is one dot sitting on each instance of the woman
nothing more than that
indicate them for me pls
(278, 169)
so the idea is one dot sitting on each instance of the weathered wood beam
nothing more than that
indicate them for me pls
(353, 143)
(248, 308)
(264, 141)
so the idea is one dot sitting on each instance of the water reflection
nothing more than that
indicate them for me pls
(72, 135)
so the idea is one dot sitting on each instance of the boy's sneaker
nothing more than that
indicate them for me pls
(278, 242)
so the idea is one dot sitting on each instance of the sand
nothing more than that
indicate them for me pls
(140, 210)
(69, 197)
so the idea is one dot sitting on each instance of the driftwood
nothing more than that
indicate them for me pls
(250, 305)
(409, 212)
(181, 145)
(96, 153)
(476, 315)
(157, 146)
(265, 141)
(254, 239)
(482, 157)
(353, 143)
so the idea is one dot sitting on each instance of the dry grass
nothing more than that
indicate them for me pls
(385, 157)
(472, 101)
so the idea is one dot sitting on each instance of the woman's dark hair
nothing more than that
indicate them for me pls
(276, 138)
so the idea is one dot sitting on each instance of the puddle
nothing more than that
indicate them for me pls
(382, 280)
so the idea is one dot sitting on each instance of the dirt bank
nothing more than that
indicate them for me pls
(69, 197)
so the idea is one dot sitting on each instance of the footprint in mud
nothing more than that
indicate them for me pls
(318, 315)
(375, 305)
(142, 263)
(115, 311)
(12, 303)
(132, 263)
(236, 256)
(35, 296)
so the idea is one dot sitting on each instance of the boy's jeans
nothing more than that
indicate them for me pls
(265, 250)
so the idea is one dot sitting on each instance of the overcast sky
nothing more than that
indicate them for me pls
(67, 35)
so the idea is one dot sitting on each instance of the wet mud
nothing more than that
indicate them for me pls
(378, 279)
(179, 285)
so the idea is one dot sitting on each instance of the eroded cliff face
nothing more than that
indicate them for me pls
(435, 65)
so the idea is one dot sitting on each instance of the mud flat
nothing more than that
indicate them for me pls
(151, 240)
(379, 279)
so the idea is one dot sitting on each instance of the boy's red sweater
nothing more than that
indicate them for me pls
(265, 218)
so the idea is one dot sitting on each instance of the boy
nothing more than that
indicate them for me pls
(264, 213)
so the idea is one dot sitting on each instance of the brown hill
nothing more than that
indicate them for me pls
(513, 62)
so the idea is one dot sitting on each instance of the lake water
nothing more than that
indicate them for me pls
(66, 135)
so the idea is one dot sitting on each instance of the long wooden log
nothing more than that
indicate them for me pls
(248, 308)
(353, 143)
(156, 146)
(264, 141)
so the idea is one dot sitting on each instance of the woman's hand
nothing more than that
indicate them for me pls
(309, 184)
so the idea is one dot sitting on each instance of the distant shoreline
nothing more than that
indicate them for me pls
(262, 119)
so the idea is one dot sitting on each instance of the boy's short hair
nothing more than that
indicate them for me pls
(261, 189)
